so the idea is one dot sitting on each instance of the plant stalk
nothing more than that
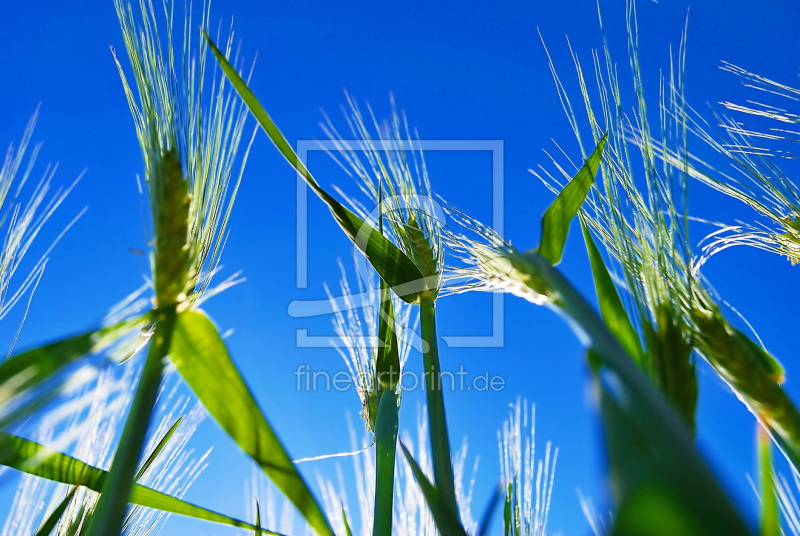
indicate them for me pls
(440, 443)
(110, 511)
(386, 425)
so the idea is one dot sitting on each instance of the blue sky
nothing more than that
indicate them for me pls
(476, 72)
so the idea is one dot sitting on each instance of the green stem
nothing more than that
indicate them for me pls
(440, 443)
(110, 511)
(386, 425)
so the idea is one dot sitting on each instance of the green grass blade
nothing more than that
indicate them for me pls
(109, 514)
(444, 518)
(385, 448)
(201, 357)
(507, 510)
(258, 530)
(38, 460)
(32, 367)
(494, 502)
(389, 261)
(156, 451)
(440, 442)
(770, 518)
(55, 516)
(611, 308)
(347, 530)
(557, 218)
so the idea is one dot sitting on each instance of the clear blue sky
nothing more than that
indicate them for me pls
(477, 71)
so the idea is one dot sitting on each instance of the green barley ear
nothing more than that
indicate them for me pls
(754, 153)
(362, 327)
(22, 222)
(528, 482)
(645, 230)
(640, 216)
(650, 449)
(171, 231)
(389, 168)
(190, 130)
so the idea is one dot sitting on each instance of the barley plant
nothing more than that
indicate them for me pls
(101, 425)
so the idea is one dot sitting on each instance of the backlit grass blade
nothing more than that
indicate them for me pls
(392, 265)
(494, 502)
(347, 530)
(201, 357)
(385, 447)
(109, 514)
(35, 459)
(55, 516)
(30, 368)
(770, 519)
(559, 215)
(258, 530)
(611, 308)
(446, 521)
(156, 451)
(507, 510)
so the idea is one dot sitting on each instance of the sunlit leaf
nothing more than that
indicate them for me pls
(156, 451)
(392, 265)
(201, 357)
(32, 367)
(38, 460)
(611, 308)
(559, 215)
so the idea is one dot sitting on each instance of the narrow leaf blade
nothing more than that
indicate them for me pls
(55, 516)
(445, 520)
(159, 447)
(611, 308)
(389, 261)
(35, 459)
(201, 357)
(557, 218)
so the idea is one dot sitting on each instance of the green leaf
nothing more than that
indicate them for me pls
(347, 530)
(35, 459)
(559, 215)
(30, 368)
(201, 357)
(385, 448)
(55, 516)
(443, 517)
(770, 518)
(156, 451)
(389, 261)
(611, 308)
